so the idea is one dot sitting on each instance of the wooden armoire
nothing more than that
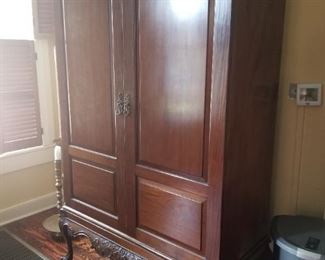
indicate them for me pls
(167, 120)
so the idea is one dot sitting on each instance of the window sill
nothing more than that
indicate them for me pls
(18, 160)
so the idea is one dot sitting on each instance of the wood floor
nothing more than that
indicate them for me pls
(32, 232)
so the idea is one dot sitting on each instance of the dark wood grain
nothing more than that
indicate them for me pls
(104, 246)
(170, 212)
(125, 18)
(94, 185)
(251, 109)
(167, 178)
(192, 160)
(82, 222)
(168, 246)
(217, 137)
(89, 62)
(91, 132)
(174, 142)
(95, 157)
(31, 231)
(171, 67)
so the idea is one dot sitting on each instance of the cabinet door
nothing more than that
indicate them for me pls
(169, 47)
(92, 132)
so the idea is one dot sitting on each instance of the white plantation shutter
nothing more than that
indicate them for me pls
(43, 12)
(19, 106)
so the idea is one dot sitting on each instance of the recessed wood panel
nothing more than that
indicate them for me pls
(89, 65)
(95, 157)
(170, 212)
(93, 185)
(172, 58)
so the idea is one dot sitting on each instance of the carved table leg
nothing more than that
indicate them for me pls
(67, 232)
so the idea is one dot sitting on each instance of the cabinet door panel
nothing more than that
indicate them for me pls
(168, 132)
(177, 215)
(92, 162)
(89, 63)
(93, 185)
(172, 49)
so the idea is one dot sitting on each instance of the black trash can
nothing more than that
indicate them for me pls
(298, 237)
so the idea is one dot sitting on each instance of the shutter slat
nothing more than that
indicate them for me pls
(19, 115)
(21, 119)
(26, 139)
(45, 17)
(22, 105)
(14, 89)
(28, 123)
(21, 135)
(12, 111)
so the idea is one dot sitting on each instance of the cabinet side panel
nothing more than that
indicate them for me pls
(252, 93)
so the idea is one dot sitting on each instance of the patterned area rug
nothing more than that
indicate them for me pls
(11, 248)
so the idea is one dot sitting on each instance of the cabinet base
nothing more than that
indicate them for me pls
(103, 246)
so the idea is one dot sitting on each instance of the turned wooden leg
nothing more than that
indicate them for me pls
(67, 232)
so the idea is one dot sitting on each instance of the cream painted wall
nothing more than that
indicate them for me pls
(299, 162)
(21, 186)
(30, 183)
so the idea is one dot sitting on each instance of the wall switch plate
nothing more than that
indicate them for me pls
(292, 94)
(309, 94)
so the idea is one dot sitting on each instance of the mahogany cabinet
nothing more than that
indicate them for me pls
(167, 121)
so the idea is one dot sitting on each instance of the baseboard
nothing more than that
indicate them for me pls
(27, 208)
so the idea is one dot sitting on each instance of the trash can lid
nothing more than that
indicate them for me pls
(300, 233)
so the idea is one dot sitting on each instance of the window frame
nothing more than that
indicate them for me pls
(47, 91)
